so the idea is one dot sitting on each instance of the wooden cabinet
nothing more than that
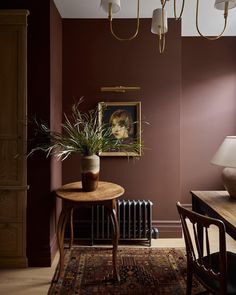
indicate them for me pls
(13, 137)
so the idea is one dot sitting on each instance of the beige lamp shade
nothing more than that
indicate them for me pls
(226, 157)
(157, 23)
(115, 5)
(226, 153)
(220, 4)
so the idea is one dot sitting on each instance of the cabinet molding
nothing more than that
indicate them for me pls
(13, 137)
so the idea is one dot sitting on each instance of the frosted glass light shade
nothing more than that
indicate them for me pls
(220, 4)
(226, 153)
(157, 23)
(115, 5)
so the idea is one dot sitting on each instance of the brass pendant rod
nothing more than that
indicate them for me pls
(162, 20)
(225, 24)
(162, 39)
(163, 3)
(161, 43)
(111, 27)
(181, 11)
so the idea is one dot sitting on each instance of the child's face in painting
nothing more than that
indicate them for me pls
(119, 129)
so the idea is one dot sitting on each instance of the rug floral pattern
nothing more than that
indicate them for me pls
(143, 271)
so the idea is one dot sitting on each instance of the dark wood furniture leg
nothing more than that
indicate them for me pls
(65, 213)
(71, 229)
(115, 238)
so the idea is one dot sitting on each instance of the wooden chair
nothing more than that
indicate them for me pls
(215, 271)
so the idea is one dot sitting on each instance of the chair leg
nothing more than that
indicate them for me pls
(71, 229)
(189, 279)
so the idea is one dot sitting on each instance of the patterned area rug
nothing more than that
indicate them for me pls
(143, 271)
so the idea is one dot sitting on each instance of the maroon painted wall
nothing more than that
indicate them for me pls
(208, 109)
(187, 94)
(93, 58)
(55, 113)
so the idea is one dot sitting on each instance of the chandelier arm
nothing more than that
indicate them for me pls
(225, 24)
(162, 21)
(111, 27)
(161, 34)
(161, 43)
(181, 11)
(163, 3)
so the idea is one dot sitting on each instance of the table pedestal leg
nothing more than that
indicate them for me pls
(115, 239)
(71, 229)
(65, 213)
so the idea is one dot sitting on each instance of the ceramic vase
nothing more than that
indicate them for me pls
(229, 181)
(90, 167)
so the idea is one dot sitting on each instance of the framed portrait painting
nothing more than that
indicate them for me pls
(124, 119)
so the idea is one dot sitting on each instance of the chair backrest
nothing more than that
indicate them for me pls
(199, 250)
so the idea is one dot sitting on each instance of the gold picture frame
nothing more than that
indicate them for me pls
(111, 112)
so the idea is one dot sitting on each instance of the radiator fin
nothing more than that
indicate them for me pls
(134, 217)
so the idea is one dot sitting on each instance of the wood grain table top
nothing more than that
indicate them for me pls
(220, 202)
(105, 191)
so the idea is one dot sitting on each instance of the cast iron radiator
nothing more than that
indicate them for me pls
(134, 217)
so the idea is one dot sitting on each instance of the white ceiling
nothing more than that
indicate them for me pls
(211, 20)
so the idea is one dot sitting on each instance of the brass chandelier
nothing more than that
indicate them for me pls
(159, 18)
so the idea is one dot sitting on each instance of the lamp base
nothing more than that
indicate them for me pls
(229, 181)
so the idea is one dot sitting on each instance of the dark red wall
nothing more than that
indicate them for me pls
(44, 100)
(55, 113)
(187, 94)
(93, 58)
(208, 109)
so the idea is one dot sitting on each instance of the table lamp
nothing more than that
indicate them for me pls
(226, 157)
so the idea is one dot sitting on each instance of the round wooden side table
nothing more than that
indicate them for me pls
(73, 197)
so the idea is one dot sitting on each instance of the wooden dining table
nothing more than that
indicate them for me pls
(216, 204)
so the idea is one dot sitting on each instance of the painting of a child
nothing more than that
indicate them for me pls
(124, 120)
(122, 124)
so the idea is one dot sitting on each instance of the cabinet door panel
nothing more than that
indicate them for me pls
(11, 243)
(9, 162)
(13, 137)
(13, 109)
(8, 82)
(12, 205)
